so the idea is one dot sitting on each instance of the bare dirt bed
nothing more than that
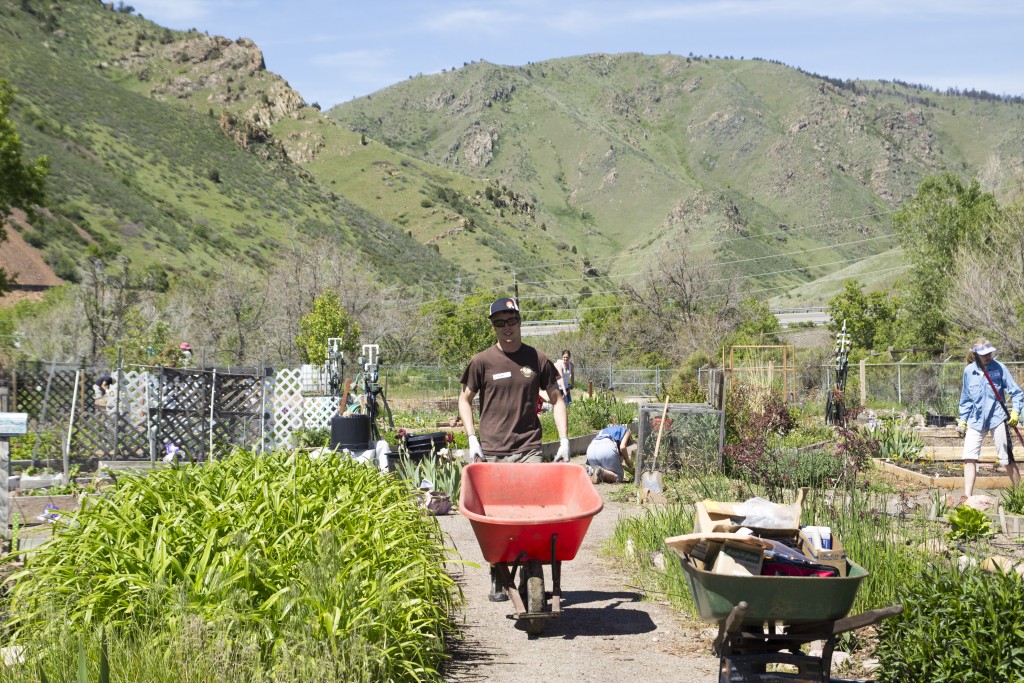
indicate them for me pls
(608, 631)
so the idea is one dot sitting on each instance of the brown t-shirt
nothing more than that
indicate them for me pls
(508, 385)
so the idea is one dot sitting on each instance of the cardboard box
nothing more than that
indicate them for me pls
(833, 557)
(739, 559)
(705, 553)
(712, 516)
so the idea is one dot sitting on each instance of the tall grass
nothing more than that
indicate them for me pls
(273, 568)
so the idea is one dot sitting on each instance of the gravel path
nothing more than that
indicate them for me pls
(607, 632)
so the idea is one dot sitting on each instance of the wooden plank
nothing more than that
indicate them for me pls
(28, 508)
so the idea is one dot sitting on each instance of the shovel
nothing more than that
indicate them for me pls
(651, 481)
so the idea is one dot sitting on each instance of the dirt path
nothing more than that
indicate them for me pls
(607, 633)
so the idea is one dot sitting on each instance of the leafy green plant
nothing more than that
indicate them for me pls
(1013, 500)
(963, 626)
(444, 473)
(967, 523)
(313, 438)
(205, 566)
(897, 442)
(23, 446)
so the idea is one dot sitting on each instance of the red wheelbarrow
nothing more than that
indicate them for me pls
(526, 515)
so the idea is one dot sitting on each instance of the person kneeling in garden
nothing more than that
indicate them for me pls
(983, 410)
(607, 454)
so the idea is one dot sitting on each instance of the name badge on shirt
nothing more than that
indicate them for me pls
(501, 375)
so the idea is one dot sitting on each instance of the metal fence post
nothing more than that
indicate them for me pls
(899, 382)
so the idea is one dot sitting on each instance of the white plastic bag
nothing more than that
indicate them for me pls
(764, 514)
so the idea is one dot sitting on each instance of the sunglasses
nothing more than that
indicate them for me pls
(507, 322)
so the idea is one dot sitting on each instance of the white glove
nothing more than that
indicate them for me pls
(563, 451)
(476, 454)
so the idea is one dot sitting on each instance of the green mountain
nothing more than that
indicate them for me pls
(138, 165)
(783, 177)
(571, 175)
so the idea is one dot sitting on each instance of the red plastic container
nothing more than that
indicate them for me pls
(516, 507)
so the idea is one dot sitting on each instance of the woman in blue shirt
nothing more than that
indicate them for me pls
(980, 412)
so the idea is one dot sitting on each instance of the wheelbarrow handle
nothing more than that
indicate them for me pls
(853, 623)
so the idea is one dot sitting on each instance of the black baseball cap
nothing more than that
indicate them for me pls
(504, 304)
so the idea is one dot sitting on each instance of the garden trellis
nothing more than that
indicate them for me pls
(202, 412)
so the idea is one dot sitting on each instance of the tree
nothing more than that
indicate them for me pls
(870, 318)
(327, 319)
(945, 215)
(756, 324)
(22, 185)
(682, 305)
(987, 293)
(460, 329)
(107, 296)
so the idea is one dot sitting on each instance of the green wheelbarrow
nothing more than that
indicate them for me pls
(766, 620)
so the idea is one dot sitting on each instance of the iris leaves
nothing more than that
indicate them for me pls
(274, 567)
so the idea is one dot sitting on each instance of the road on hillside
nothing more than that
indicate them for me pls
(792, 316)
(787, 317)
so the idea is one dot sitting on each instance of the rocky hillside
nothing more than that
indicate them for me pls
(780, 174)
(182, 151)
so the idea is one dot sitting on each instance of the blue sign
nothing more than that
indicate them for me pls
(13, 424)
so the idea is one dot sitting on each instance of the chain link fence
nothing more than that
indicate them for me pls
(924, 388)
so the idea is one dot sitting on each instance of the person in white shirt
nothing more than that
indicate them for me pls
(567, 376)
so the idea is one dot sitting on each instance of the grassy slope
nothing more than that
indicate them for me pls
(160, 179)
(617, 159)
(783, 176)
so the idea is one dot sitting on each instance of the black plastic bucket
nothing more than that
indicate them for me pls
(351, 432)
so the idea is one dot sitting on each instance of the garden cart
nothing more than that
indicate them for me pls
(525, 516)
(764, 620)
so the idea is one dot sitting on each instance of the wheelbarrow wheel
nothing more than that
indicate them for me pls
(531, 589)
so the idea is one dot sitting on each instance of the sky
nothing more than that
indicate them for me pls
(332, 51)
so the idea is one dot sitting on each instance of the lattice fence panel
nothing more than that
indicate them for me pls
(32, 394)
(182, 409)
(173, 406)
(318, 410)
(287, 407)
(239, 411)
(93, 434)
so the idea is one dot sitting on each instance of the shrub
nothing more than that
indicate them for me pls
(1013, 500)
(313, 438)
(956, 626)
(600, 410)
(967, 523)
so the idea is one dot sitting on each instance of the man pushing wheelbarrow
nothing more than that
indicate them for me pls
(508, 376)
(523, 513)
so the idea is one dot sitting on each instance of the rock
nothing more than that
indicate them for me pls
(1003, 564)
(963, 562)
(839, 658)
(981, 502)
(658, 560)
(933, 546)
